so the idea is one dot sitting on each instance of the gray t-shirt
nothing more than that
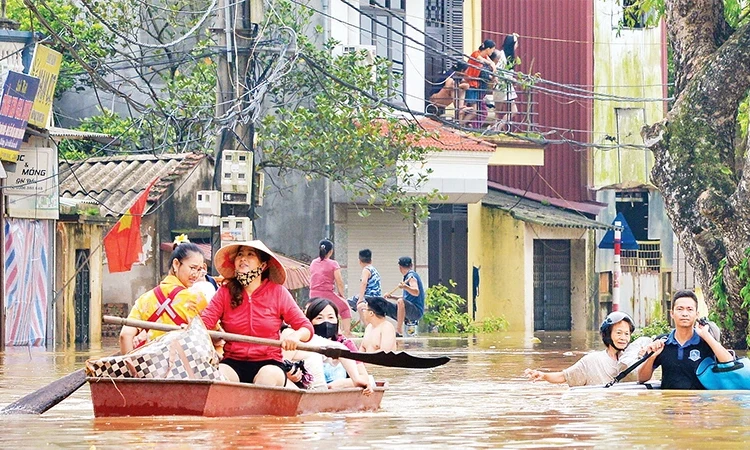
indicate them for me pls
(593, 369)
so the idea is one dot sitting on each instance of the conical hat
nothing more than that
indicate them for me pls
(224, 260)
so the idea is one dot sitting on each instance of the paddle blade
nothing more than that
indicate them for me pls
(45, 398)
(396, 359)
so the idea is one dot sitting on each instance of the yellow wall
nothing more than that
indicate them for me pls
(72, 236)
(627, 63)
(472, 25)
(496, 246)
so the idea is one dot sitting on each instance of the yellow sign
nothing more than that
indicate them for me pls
(46, 67)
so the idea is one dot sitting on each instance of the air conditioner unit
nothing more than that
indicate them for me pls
(369, 50)
(236, 171)
(236, 229)
(208, 203)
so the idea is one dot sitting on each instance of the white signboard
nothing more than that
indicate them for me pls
(31, 187)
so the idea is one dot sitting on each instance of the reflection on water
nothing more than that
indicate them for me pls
(479, 400)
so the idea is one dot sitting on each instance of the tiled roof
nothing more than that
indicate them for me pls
(116, 181)
(531, 211)
(451, 139)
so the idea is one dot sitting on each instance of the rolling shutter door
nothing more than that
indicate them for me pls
(389, 235)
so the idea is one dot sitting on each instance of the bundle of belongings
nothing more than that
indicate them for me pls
(182, 354)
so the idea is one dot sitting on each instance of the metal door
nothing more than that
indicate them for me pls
(448, 247)
(444, 35)
(82, 296)
(551, 285)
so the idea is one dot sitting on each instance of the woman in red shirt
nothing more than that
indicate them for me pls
(473, 75)
(325, 273)
(254, 302)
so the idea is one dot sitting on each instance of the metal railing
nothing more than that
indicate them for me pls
(508, 105)
(647, 259)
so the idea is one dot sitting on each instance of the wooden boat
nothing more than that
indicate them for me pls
(159, 397)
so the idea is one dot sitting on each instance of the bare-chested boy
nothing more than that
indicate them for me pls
(379, 334)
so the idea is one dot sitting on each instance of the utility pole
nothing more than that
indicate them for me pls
(235, 32)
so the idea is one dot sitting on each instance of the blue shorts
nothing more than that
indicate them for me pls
(473, 96)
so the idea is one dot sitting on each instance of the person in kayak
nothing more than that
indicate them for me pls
(601, 367)
(254, 302)
(171, 302)
(680, 354)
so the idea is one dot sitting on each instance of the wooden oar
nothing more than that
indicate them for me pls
(388, 359)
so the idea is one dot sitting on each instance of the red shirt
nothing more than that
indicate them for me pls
(472, 72)
(260, 316)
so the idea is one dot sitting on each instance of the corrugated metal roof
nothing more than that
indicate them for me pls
(66, 133)
(116, 181)
(531, 211)
(556, 42)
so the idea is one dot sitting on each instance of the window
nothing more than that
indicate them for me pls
(386, 32)
(632, 14)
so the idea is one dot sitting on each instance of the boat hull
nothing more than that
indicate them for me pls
(113, 397)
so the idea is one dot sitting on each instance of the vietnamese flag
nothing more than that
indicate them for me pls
(123, 242)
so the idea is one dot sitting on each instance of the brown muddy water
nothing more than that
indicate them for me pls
(478, 400)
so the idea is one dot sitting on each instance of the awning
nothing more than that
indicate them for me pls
(532, 211)
(297, 273)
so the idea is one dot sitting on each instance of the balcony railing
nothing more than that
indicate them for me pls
(495, 110)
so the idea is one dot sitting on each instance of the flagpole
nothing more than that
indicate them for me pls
(617, 273)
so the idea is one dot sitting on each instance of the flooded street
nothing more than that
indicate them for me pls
(478, 400)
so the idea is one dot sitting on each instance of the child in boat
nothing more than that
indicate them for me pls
(172, 302)
(333, 374)
(380, 336)
(599, 368)
(254, 302)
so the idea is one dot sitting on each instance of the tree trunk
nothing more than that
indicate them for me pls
(703, 179)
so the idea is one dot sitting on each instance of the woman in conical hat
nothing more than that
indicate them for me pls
(254, 302)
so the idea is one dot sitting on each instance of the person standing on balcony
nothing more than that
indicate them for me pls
(479, 63)
(505, 93)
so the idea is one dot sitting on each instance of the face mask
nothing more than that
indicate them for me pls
(327, 330)
(246, 278)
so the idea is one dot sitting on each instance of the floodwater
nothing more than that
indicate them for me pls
(478, 400)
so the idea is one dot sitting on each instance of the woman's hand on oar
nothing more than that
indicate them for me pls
(389, 359)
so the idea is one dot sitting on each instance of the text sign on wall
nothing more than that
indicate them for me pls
(46, 67)
(19, 91)
(31, 187)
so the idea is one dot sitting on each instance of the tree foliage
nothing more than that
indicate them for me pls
(322, 114)
(700, 150)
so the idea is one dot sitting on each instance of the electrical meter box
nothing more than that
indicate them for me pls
(236, 229)
(208, 203)
(236, 171)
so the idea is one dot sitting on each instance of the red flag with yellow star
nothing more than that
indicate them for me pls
(123, 242)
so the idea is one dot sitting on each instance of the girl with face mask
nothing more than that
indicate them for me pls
(340, 373)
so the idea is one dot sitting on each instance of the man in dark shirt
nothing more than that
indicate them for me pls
(684, 349)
